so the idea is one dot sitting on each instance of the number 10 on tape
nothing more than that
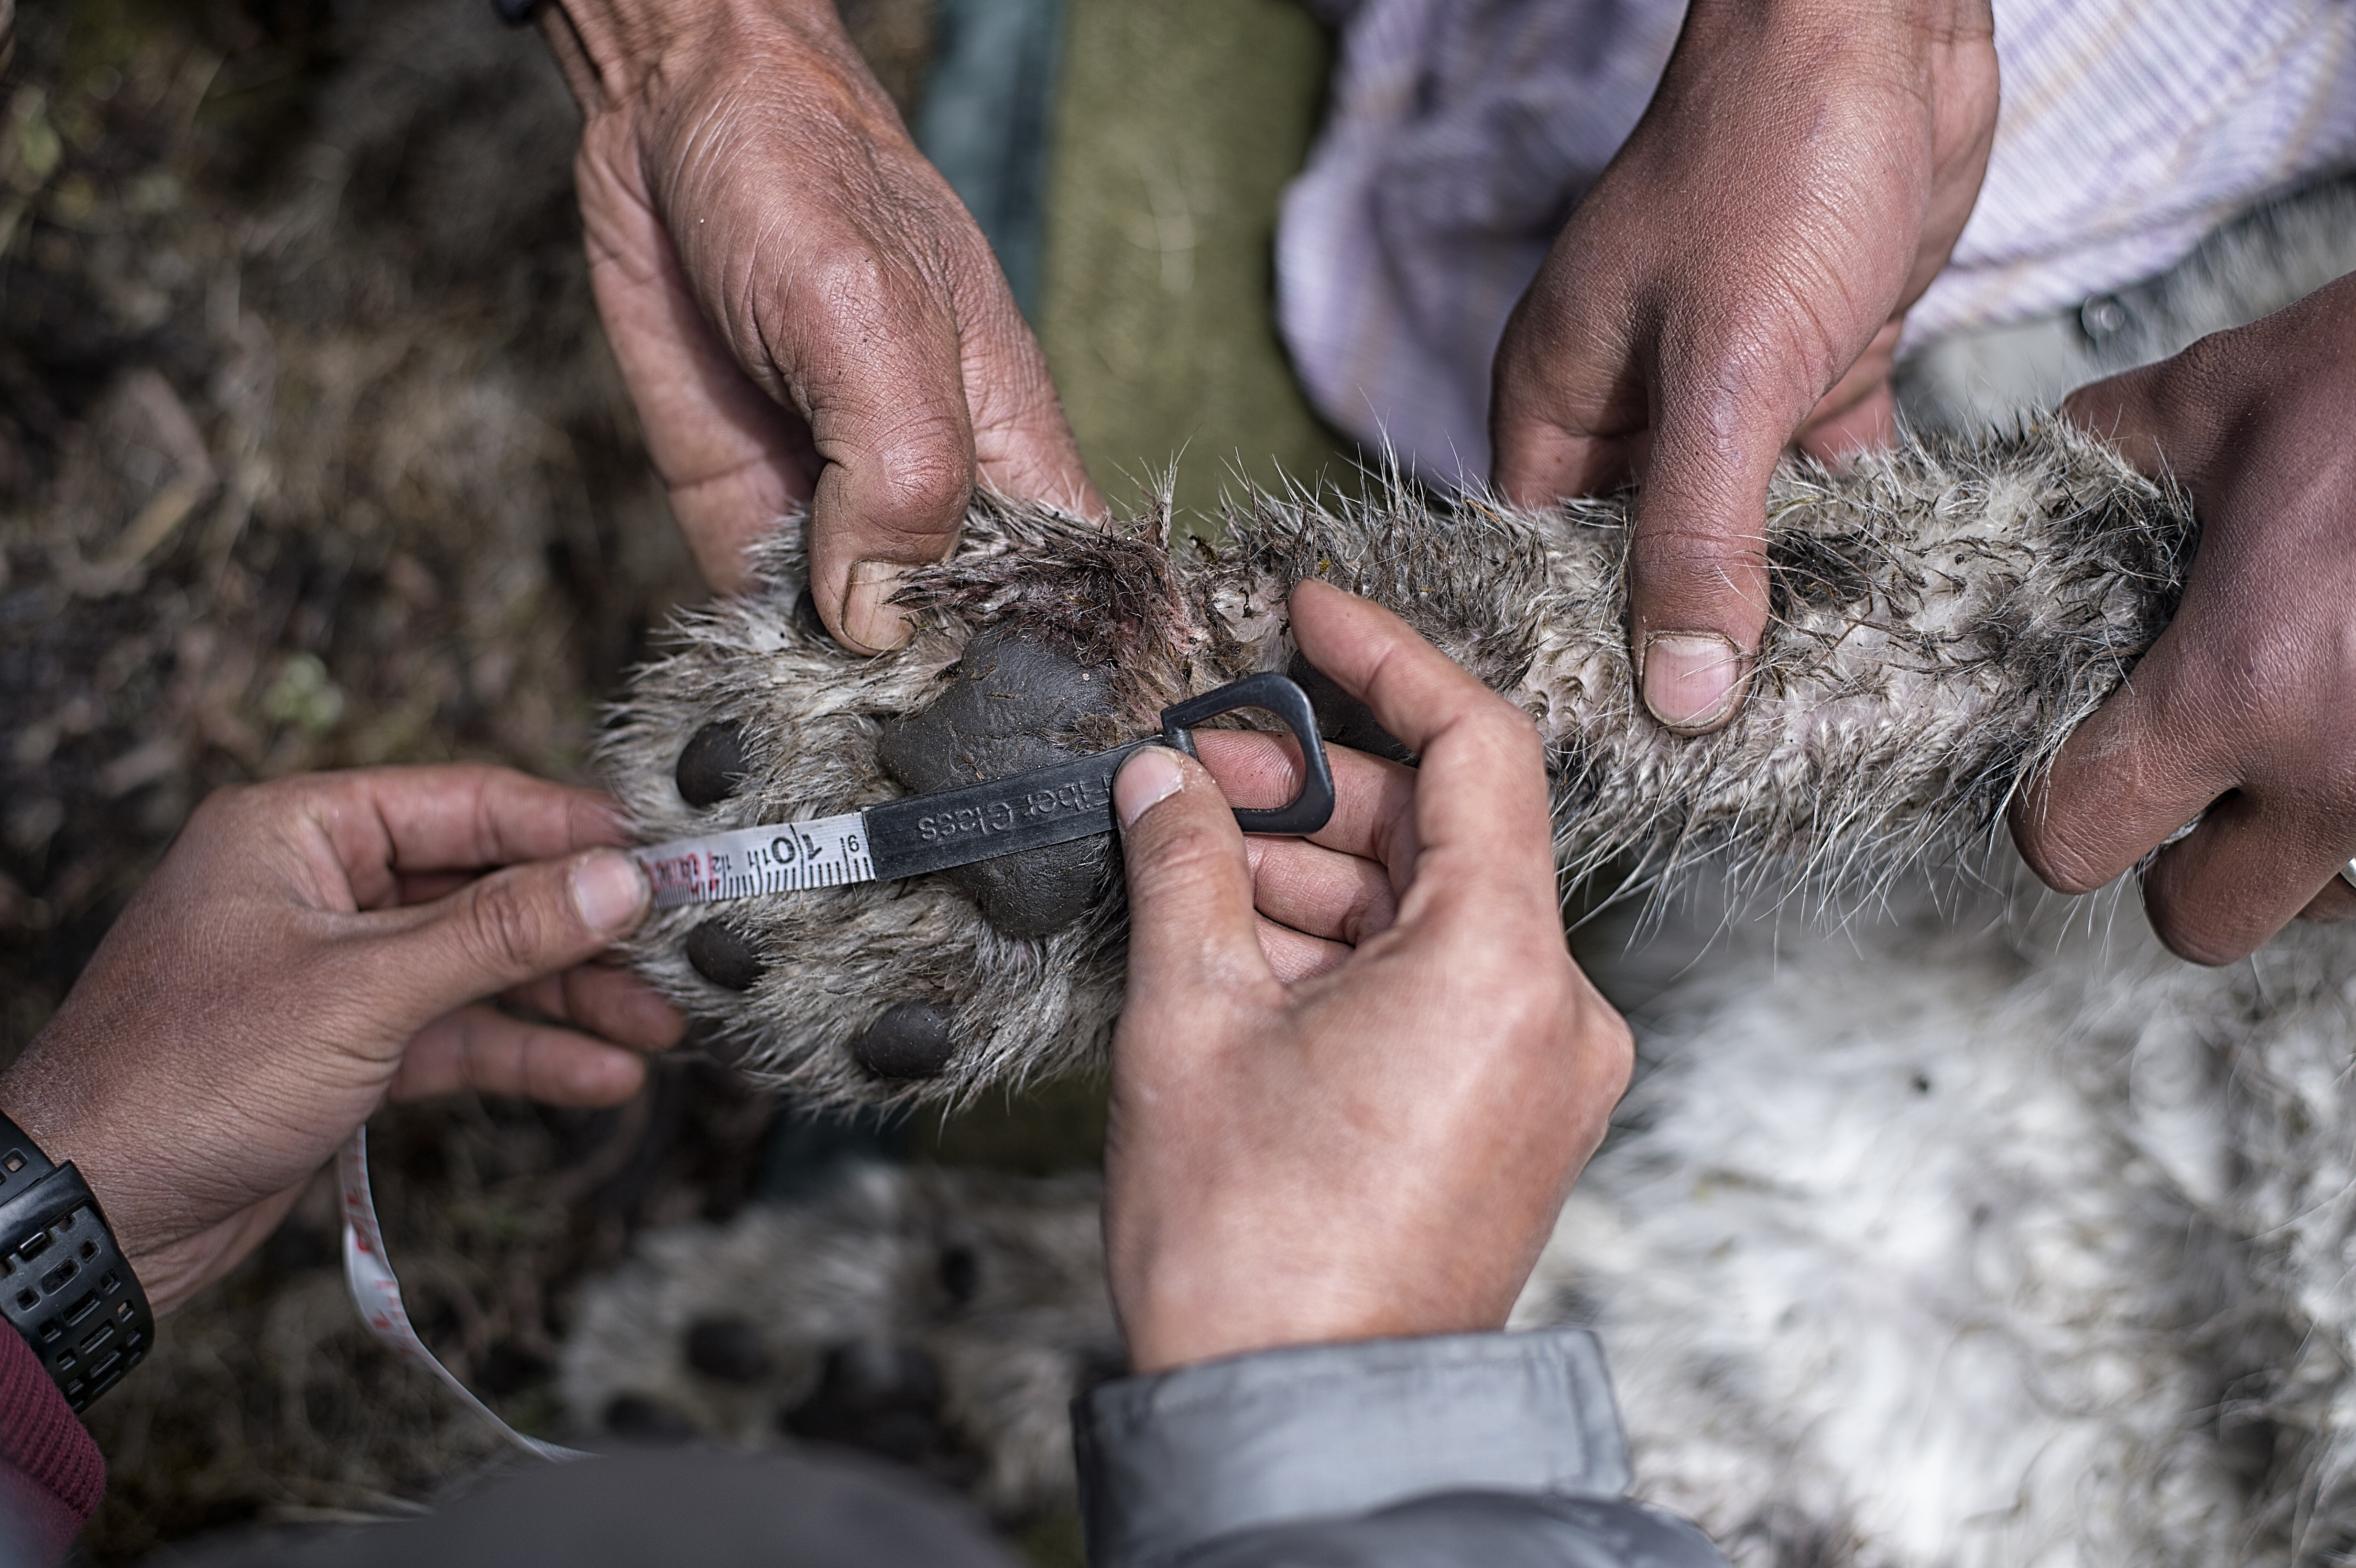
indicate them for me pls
(957, 827)
(824, 852)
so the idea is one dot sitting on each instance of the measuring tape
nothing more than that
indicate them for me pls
(377, 1294)
(976, 822)
(824, 852)
(898, 838)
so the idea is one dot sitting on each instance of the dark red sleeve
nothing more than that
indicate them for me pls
(51, 1474)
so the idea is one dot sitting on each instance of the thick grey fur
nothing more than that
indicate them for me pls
(1980, 1232)
(1941, 616)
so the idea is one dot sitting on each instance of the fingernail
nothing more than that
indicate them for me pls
(867, 619)
(1144, 782)
(1690, 678)
(609, 890)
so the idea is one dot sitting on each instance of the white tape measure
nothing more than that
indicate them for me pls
(898, 838)
(377, 1294)
(824, 852)
(980, 821)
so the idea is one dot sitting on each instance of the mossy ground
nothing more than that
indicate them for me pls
(310, 456)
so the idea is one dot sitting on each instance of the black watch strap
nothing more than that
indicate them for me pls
(64, 1282)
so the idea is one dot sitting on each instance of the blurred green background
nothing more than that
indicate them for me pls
(1177, 125)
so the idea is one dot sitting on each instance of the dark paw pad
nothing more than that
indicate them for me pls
(727, 1349)
(723, 955)
(960, 1275)
(711, 764)
(1011, 706)
(910, 1040)
(883, 1398)
(644, 1420)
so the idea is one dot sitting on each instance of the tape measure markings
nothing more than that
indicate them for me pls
(784, 857)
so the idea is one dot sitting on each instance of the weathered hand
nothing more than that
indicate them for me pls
(800, 306)
(1380, 1145)
(309, 949)
(1735, 282)
(2243, 708)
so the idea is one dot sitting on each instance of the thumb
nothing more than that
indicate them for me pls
(1697, 555)
(511, 927)
(877, 366)
(1578, 406)
(1192, 939)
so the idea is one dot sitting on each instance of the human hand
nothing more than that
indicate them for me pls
(802, 309)
(1735, 282)
(2242, 708)
(309, 949)
(1378, 1146)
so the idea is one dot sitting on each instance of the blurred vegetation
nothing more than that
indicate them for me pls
(312, 455)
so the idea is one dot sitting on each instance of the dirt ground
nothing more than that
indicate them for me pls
(310, 456)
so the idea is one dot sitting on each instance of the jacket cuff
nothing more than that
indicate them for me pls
(1170, 1462)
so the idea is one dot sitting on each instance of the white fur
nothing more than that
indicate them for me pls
(1961, 1237)
(1972, 1240)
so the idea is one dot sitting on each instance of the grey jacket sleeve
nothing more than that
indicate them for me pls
(1496, 1450)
